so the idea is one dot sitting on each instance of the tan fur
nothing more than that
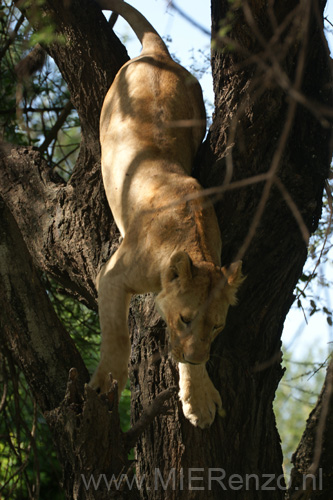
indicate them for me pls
(171, 245)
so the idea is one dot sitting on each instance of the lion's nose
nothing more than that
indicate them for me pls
(190, 362)
(194, 351)
(195, 359)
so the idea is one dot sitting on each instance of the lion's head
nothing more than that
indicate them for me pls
(194, 302)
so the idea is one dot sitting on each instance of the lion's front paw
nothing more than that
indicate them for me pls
(201, 404)
(199, 398)
(100, 381)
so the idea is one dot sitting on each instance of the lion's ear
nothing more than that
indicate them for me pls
(233, 274)
(180, 267)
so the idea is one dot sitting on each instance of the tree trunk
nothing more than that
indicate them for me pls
(267, 156)
(259, 131)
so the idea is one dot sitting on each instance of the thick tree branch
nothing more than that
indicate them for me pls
(29, 325)
(47, 212)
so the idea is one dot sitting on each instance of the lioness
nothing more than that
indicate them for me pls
(152, 123)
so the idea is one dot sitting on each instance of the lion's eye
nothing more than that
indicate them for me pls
(185, 320)
(217, 327)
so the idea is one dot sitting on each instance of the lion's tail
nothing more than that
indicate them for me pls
(148, 36)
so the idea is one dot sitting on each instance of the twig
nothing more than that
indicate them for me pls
(327, 232)
(188, 18)
(319, 438)
(156, 407)
(328, 21)
(30, 109)
(276, 161)
(294, 210)
(57, 126)
(12, 36)
(5, 391)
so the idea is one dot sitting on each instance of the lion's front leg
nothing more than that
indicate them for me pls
(198, 395)
(113, 306)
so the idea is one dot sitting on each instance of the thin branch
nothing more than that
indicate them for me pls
(52, 135)
(307, 488)
(5, 389)
(188, 18)
(327, 233)
(294, 210)
(12, 36)
(277, 158)
(30, 109)
(328, 21)
(156, 408)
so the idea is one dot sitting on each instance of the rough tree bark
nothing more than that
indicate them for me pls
(271, 93)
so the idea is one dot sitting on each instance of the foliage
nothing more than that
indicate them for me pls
(296, 396)
(31, 109)
(317, 273)
(83, 325)
(298, 391)
(29, 466)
